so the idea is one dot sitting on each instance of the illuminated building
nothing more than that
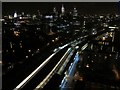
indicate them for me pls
(62, 9)
(15, 15)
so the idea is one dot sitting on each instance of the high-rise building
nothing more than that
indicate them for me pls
(54, 10)
(62, 9)
(75, 12)
(55, 14)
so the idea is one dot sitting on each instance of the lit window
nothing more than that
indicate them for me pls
(29, 50)
(52, 40)
(87, 65)
(16, 33)
(105, 57)
(26, 56)
(13, 50)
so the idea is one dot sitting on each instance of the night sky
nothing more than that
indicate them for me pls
(83, 7)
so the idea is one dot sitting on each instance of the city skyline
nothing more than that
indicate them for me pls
(82, 7)
(76, 48)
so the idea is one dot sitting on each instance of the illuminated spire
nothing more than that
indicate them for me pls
(62, 9)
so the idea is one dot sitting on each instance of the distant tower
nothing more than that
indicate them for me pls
(54, 10)
(55, 16)
(38, 12)
(75, 13)
(15, 15)
(62, 9)
(75, 10)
